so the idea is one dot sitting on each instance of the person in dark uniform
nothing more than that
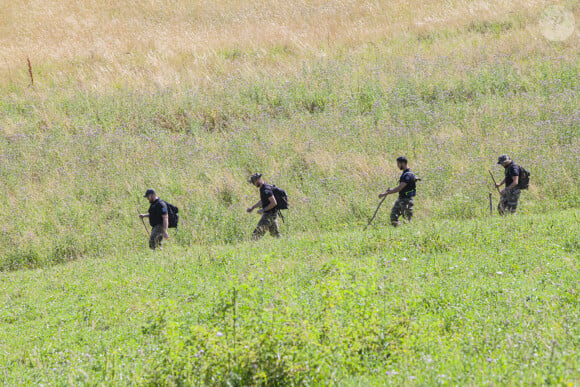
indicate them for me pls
(407, 190)
(510, 195)
(269, 219)
(158, 219)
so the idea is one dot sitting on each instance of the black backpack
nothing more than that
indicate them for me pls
(173, 215)
(411, 188)
(524, 179)
(281, 198)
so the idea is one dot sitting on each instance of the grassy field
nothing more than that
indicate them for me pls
(477, 302)
(321, 97)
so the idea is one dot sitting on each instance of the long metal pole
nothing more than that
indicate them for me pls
(143, 222)
(375, 214)
(494, 183)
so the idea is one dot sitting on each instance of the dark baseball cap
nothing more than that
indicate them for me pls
(150, 191)
(401, 159)
(502, 159)
(255, 177)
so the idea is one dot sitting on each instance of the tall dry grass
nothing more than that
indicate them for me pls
(97, 43)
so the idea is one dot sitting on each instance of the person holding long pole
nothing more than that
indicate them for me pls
(407, 190)
(516, 178)
(158, 215)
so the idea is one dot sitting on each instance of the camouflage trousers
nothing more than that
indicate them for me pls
(508, 203)
(268, 222)
(156, 238)
(402, 207)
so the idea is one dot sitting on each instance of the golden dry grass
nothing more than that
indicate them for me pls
(93, 43)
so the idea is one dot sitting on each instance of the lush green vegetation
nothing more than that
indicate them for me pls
(488, 301)
(322, 104)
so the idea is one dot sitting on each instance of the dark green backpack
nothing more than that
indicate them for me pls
(524, 179)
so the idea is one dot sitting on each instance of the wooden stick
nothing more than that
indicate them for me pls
(494, 183)
(375, 214)
(30, 72)
(143, 222)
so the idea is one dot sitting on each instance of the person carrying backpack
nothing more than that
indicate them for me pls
(161, 216)
(516, 179)
(272, 200)
(407, 190)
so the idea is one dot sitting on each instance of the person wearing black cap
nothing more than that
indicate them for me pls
(510, 195)
(269, 219)
(407, 191)
(158, 219)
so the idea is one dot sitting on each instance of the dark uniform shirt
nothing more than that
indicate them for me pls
(511, 171)
(266, 193)
(408, 177)
(156, 211)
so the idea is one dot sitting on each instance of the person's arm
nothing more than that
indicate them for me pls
(512, 185)
(394, 190)
(514, 182)
(143, 216)
(165, 225)
(270, 205)
(515, 174)
(250, 209)
(500, 183)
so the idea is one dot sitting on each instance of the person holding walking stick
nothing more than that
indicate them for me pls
(407, 190)
(158, 219)
(516, 179)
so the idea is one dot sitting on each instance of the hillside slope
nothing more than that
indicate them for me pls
(489, 301)
(323, 121)
(321, 97)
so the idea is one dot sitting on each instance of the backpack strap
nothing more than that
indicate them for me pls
(412, 174)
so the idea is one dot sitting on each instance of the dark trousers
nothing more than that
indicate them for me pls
(156, 238)
(508, 203)
(402, 207)
(268, 222)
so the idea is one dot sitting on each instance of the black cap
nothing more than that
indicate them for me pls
(150, 191)
(255, 177)
(401, 159)
(502, 159)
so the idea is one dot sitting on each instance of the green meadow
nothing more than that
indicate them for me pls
(458, 297)
(469, 302)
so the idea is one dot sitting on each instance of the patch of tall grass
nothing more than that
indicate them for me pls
(75, 164)
(417, 305)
